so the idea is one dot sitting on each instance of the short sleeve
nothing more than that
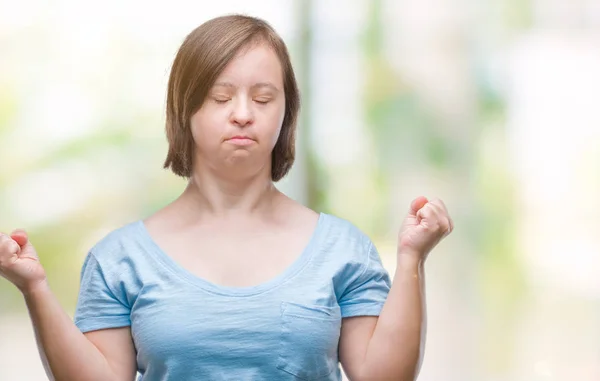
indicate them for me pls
(98, 307)
(366, 292)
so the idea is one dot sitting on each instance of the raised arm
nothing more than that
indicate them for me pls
(67, 354)
(391, 346)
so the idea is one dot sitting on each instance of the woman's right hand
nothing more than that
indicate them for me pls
(19, 262)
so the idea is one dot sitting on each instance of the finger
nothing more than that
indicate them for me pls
(442, 212)
(439, 203)
(426, 212)
(417, 204)
(9, 245)
(439, 210)
(435, 218)
(446, 226)
(4, 238)
(20, 236)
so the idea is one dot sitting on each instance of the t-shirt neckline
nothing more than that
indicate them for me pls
(293, 269)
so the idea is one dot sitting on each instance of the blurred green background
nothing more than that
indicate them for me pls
(491, 106)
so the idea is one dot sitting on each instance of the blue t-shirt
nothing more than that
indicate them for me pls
(186, 328)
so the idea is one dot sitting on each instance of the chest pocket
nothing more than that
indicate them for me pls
(309, 340)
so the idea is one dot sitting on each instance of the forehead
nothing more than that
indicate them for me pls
(257, 63)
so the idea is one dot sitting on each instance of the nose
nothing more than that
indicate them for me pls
(241, 114)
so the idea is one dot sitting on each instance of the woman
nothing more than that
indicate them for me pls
(234, 280)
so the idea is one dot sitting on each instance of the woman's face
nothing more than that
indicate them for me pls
(239, 123)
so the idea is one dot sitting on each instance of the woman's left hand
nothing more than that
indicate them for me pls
(427, 223)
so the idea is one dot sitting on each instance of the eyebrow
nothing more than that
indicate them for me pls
(258, 85)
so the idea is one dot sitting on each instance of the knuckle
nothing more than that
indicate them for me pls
(8, 246)
(447, 227)
(5, 260)
(441, 225)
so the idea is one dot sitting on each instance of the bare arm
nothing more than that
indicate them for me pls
(68, 354)
(389, 347)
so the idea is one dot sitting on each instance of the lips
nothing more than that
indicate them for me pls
(240, 140)
(240, 137)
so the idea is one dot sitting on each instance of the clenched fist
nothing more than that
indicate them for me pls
(19, 262)
(426, 224)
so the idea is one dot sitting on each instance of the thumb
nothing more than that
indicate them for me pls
(20, 236)
(417, 204)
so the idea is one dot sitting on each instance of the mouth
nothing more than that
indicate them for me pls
(240, 140)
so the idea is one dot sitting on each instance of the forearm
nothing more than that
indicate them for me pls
(66, 353)
(396, 348)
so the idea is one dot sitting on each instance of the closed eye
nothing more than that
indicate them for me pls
(262, 101)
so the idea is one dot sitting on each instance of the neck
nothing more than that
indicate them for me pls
(219, 196)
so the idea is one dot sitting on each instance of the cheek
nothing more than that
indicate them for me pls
(277, 123)
(203, 128)
(198, 133)
(275, 136)
(275, 131)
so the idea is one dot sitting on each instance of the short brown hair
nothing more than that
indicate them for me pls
(204, 54)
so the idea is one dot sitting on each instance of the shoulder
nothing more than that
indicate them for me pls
(329, 227)
(344, 239)
(356, 261)
(344, 229)
(118, 243)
